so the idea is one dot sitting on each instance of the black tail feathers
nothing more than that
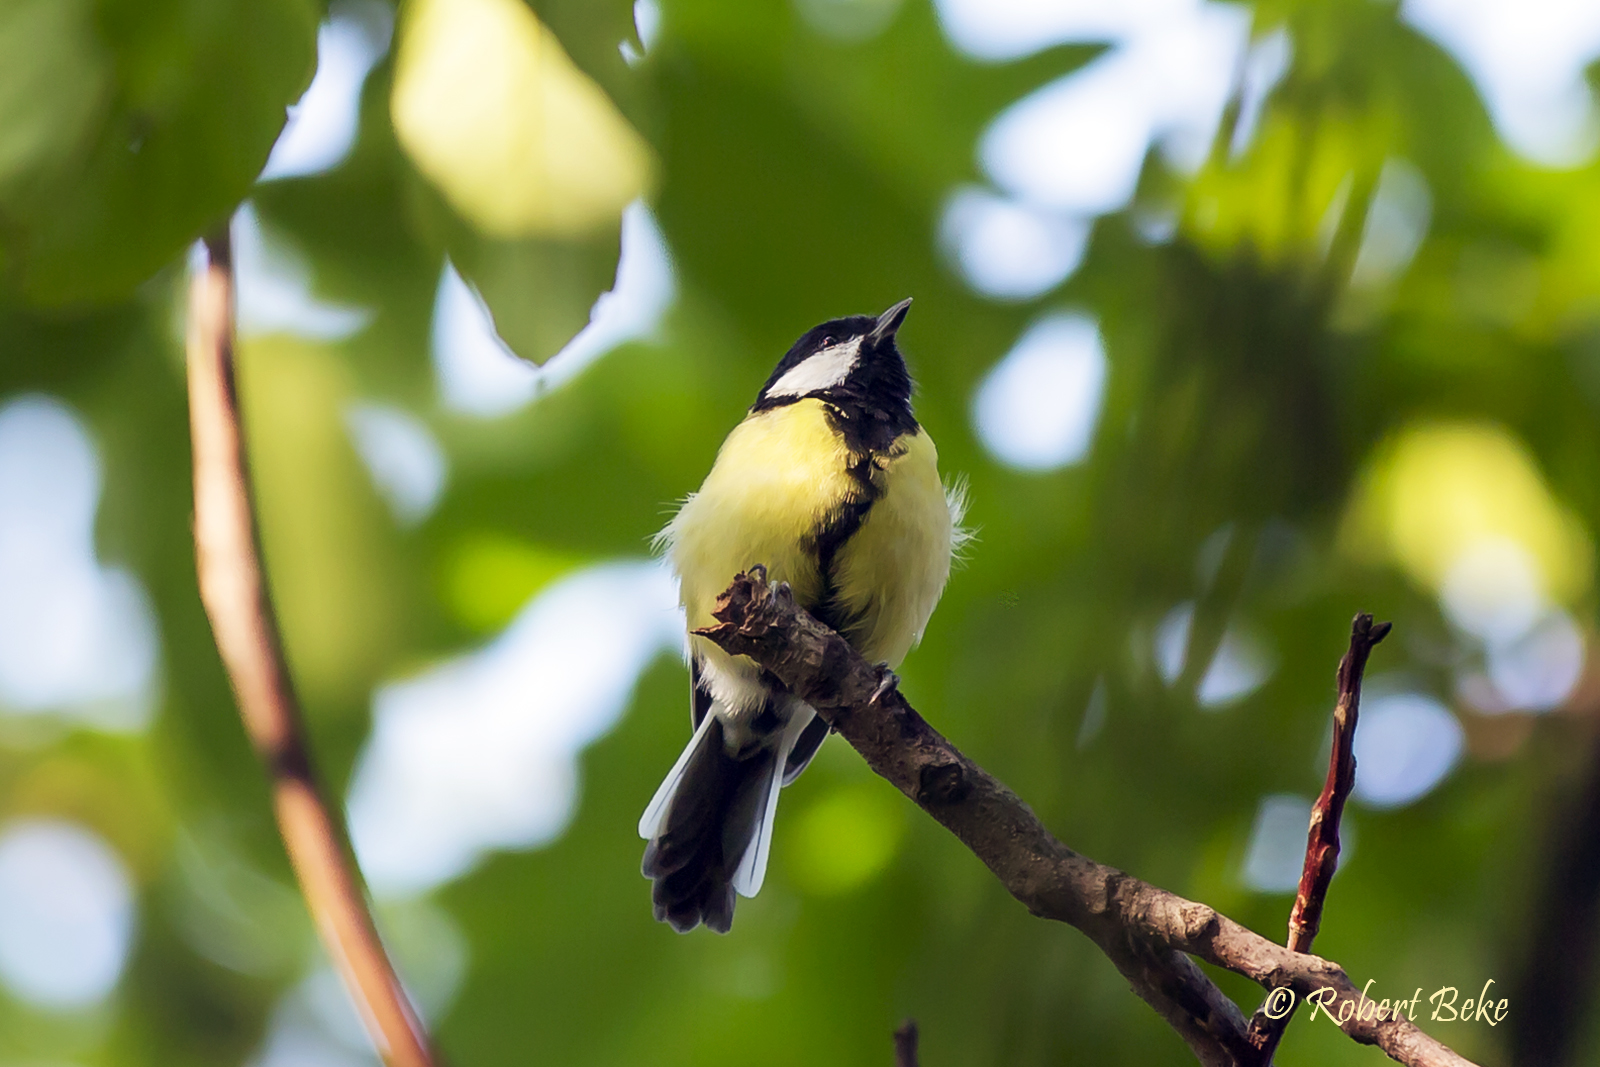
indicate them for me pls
(712, 818)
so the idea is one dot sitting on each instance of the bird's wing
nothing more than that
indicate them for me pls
(805, 747)
(752, 868)
(699, 699)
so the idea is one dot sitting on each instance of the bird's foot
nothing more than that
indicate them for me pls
(888, 682)
(776, 591)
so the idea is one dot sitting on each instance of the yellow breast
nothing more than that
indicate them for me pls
(779, 477)
(889, 576)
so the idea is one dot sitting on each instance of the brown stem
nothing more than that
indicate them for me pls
(1147, 932)
(1563, 951)
(905, 1044)
(233, 589)
(1322, 839)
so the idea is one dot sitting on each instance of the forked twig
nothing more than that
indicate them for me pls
(1148, 933)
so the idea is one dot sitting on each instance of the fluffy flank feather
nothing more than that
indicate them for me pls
(961, 537)
(661, 541)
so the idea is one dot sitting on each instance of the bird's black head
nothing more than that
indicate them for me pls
(853, 365)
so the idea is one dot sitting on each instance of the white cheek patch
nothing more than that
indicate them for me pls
(824, 370)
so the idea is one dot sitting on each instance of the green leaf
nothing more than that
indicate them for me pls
(194, 95)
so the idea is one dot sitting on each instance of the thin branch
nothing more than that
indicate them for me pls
(233, 588)
(905, 1044)
(1563, 952)
(1147, 932)
(1322, 839)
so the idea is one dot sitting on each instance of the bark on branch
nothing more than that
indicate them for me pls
(1148, 933)
(233, 588)
(1558, 970)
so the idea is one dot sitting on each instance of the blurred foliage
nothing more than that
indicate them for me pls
(1255, 392)
(128, 127)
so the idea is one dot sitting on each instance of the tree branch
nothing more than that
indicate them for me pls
(1147, 932)
(1558, 969)
(233, 588)
(1322, 839)
(905, 1044)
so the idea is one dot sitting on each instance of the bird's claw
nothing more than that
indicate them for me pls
(777, 592)
(888, 682)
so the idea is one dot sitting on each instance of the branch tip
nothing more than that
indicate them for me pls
(905, 1044)
(1322, 837)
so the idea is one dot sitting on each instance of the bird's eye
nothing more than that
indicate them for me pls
(827, 341)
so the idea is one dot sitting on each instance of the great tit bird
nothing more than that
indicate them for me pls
(830, 484)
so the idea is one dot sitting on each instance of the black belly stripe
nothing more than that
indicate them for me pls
(843, 523)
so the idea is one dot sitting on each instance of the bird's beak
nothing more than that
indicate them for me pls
(889, 322)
